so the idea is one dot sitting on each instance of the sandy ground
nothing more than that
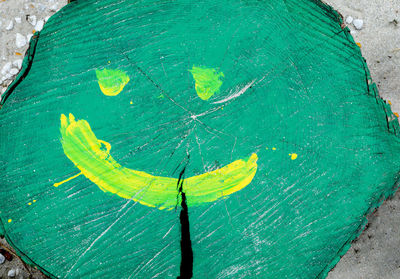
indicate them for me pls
(376, 253)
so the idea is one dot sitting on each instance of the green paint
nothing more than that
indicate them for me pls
(294, 223)
(207, 81)
(83, 148)
(111, 82)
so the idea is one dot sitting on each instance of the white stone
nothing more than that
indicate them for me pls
(54, 8)
(6, 68)
(10, 25)
(17, 63)
(11, 273)
(2, 259)
(14, 71)
(358, 23)
(20, 40)
(18, 20)
(39, 25)
(29, 36)
(32, 20)
(349, 19)
(41, 7)
(7, 76)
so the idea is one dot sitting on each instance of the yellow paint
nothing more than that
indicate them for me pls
(111, 82)
(390, 103)
(34, 200)
(131, 102)
(66, 180)
(293, 156)
(29, 203)
(207, 81)
(397, 115)
(18, 53)
(9, 220)
(83, 148)
(358, 44)
(273, 148)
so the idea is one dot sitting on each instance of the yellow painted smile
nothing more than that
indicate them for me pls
(95, 162)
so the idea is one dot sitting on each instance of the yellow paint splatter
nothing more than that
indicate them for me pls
(18, 53)
(9, 220)
(293, 156)
(390, 103)
(131, 103)
(273, 148)
(397, 115)
(66, 180)
(29, 203)
(359, 45)
(34, 200)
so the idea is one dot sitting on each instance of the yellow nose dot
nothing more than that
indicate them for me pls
(273, 148)
(293, 156)
(9, 220)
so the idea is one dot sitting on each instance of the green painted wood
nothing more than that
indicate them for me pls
(265, 108)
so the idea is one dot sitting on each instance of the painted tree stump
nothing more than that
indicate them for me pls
(193, 139)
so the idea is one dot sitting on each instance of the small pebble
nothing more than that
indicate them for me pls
(20, 40)
(32, 20)
(6, 254)
(13, 71)
(358, 23)
(349, 19)
(11, 273)
(18, 63)
(54, 8)
(18, 20)
(2, 259)
(41, 7)
(6, 68)
(10, 25)
(39, 25)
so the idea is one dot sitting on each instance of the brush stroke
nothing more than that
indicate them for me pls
(207, 81)
(82, 147)
(236, 94)
(111, 82)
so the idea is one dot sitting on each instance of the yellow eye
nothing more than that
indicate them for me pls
(111, 82)
(207, 81)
